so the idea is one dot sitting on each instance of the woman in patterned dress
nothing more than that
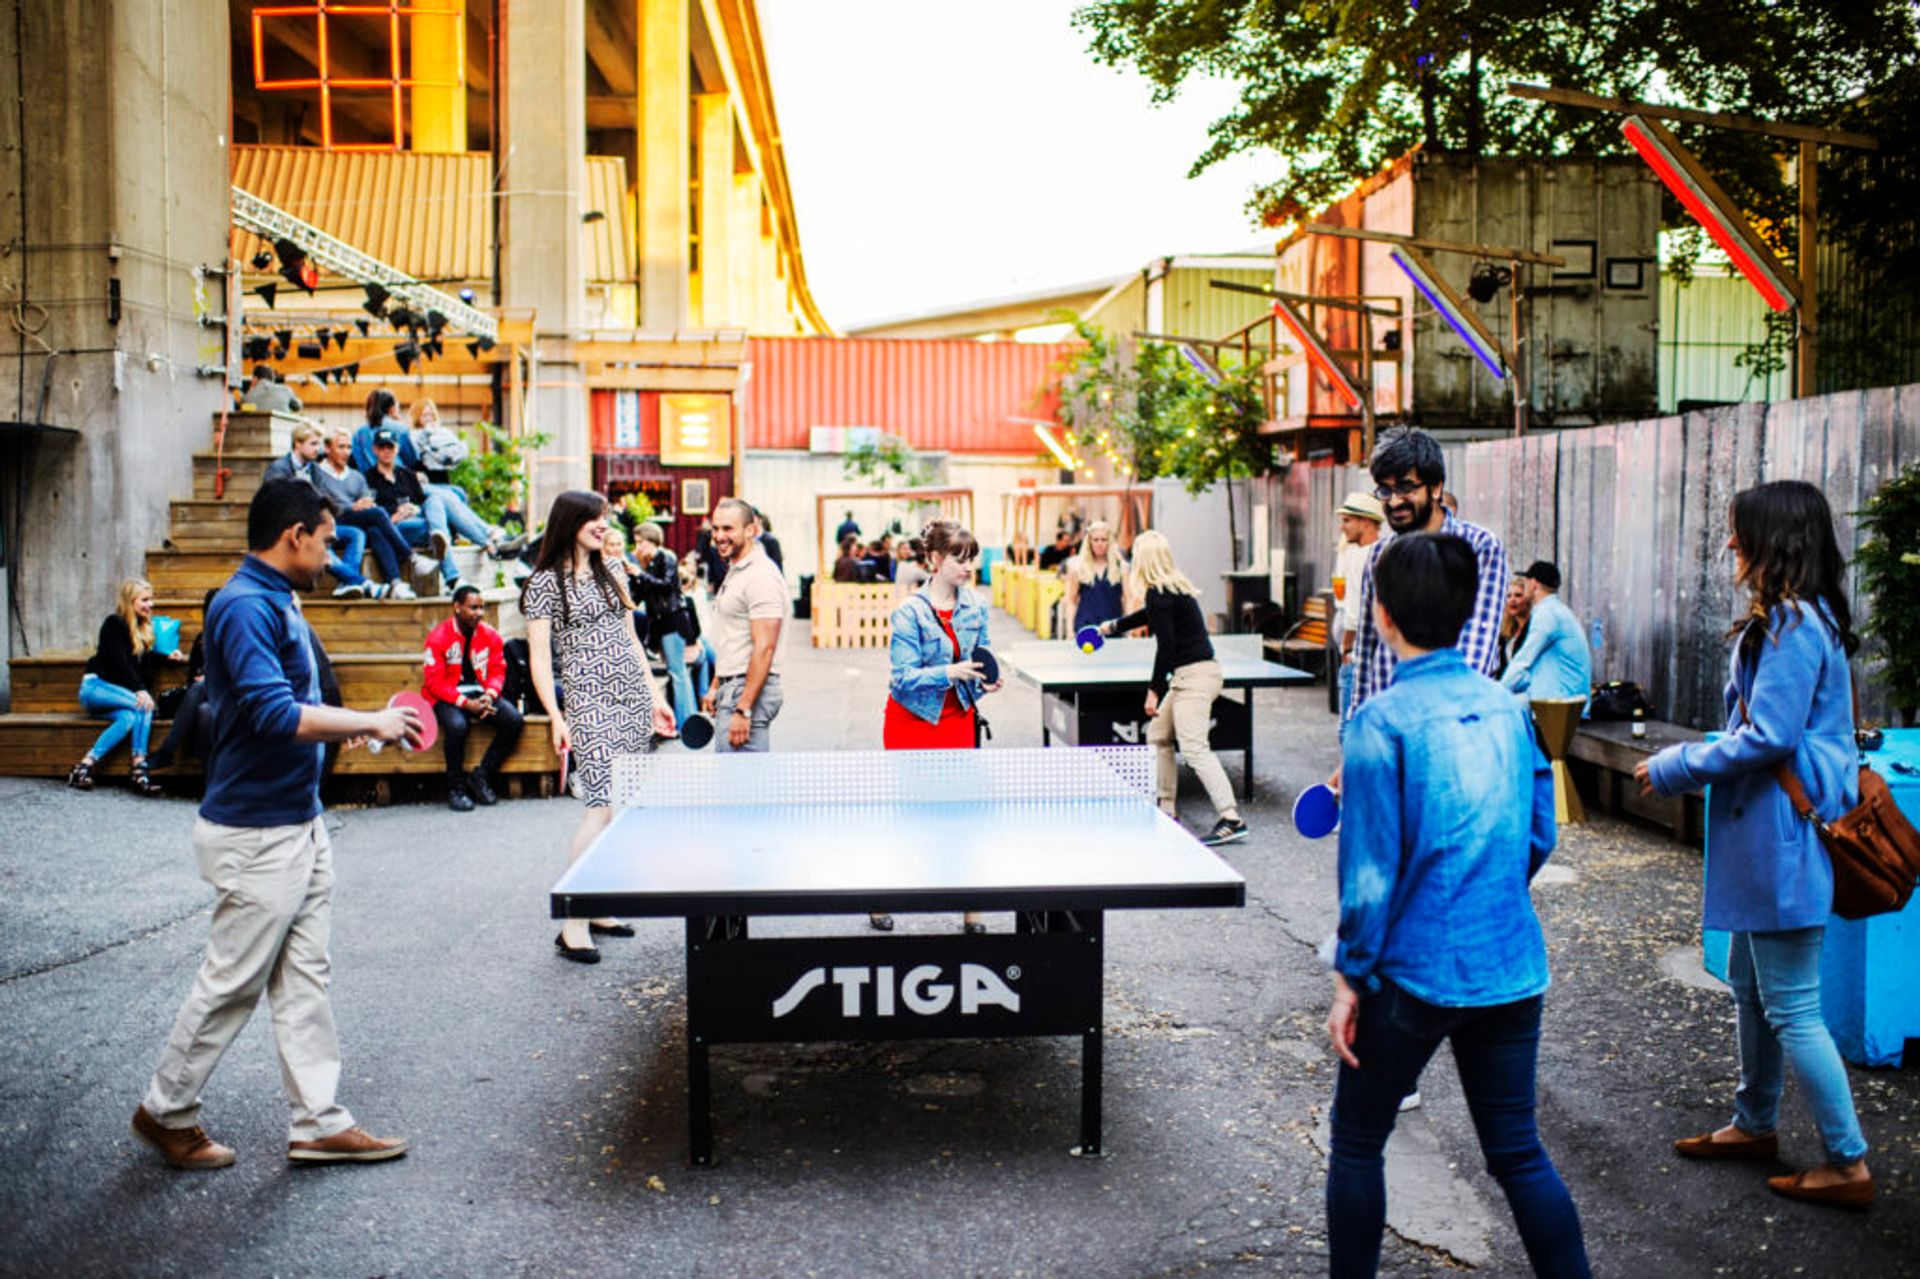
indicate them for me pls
(578, 611)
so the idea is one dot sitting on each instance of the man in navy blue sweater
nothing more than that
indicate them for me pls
(263, 846)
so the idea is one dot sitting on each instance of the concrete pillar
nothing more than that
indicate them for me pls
(663, 180)
(114, 150)
(713, 120)
(743, 250)
(543, 65)
(439, 90)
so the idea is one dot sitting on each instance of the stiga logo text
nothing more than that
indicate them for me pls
(919, 990)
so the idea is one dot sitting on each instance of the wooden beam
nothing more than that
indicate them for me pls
(1687, 115)
(604, 112)
(1303, 299)
(1808, 180)
(610, 45)
(604, 378)
(1500, 251)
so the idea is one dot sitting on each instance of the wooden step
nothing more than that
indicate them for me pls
(51, 682)
(47, 745)
(249, 432)
(247, 467)
(366, 626)
(191, 573)
(209, 525)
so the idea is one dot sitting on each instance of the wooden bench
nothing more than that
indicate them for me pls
(1306, 642)
(1602, 760)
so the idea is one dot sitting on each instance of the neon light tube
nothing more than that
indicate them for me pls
(1060, 454)
(1451, 309)
(1317, 353)
(1683, 176)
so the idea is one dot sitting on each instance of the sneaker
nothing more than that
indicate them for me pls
(423, 566)
(439, 544)
(459, 798)
(349, 591)
(482, 791)
(1228, 830)
(1410, 1102)
(378, 590)
(188, 1148)
(400, 591)
(355, 1145)
(504, 548)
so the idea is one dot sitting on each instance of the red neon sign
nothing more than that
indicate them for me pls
(1317, 354)
(1696, 202)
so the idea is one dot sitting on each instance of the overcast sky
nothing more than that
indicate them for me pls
(945, 152)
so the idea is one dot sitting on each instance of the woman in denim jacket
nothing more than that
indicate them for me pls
(1768, 878)
(935, 687)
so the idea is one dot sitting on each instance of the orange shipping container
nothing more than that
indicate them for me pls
(938, 395)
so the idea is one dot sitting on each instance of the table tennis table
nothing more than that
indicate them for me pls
(1097, 699)
(1058, 837)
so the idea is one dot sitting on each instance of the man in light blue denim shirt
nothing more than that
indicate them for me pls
(1446, 814)
(1554, 660)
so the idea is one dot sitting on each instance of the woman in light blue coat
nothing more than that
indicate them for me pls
(1768, 879)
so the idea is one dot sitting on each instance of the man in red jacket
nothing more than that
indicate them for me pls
(466, 665)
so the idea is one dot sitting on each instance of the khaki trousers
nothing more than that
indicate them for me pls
(271, 918)
(1186, 712)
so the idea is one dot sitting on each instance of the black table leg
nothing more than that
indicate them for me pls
(699, 1080)
(1092, 1043)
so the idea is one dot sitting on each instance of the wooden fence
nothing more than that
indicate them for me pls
(1635, 515)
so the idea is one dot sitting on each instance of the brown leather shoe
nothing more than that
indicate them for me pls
(188, 1148)
(1746, 1146)
(355, 1145)
(1857, 1195)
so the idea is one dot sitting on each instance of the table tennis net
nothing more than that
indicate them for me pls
(673, 778)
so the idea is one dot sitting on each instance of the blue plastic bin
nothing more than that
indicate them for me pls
(1869, 968)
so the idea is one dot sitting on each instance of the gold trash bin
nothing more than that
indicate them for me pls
(1558, 719)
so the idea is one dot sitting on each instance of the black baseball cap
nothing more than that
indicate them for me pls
(1544, 572)
(385, 435)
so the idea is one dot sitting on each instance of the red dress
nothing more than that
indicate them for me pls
(905, 731)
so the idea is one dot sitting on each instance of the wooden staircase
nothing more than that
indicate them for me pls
(374, 644)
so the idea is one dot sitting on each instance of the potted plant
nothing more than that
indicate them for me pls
(1889, 563)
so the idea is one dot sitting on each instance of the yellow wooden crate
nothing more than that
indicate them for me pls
(852, 614)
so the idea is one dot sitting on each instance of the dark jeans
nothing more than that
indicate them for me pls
(192, 729)
(1494, 1049)
(390, 550)
(454, 724)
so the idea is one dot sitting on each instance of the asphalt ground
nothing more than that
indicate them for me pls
(544, 1100)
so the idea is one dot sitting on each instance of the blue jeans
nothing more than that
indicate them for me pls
(350, 544)
(447, 514)
(673, 648)
(703, 668)
(1346, 695)
(101, 697)
(1776, 992)
(390, 550)
(1495, 1050)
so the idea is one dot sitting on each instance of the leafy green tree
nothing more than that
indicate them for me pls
(889, 462)
(1339, 88)
(495, 479)
(1889, 563)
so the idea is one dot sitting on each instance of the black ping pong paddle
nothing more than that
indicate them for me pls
(989, 667)
(696, 732)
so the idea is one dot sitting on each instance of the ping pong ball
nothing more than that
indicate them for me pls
(1086, 648)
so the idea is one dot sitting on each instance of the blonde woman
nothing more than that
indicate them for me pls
(1096, 579)
(118, 684)
(1186, 680)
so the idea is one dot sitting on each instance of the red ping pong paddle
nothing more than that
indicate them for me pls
(411, 699)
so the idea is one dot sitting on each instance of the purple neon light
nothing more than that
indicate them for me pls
(1446, 310)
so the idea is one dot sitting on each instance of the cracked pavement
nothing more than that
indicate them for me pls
(544, 1101)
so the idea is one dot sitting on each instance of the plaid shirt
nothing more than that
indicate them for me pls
(1479, 638)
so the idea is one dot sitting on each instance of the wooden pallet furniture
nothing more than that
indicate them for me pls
(1602, 759)
(857, 614)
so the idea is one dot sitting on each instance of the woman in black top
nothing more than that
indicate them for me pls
(118, 684)
(1186, 680)
(670, 623)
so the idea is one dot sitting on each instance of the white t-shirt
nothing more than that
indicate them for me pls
(1350, 564)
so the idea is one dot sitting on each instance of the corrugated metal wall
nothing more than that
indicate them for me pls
(941, 395)
(1193, 308)
(1704, 326)
(1635, 514)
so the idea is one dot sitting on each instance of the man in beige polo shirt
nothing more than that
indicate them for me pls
(747, 614)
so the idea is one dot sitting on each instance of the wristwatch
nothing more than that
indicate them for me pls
(742, 710)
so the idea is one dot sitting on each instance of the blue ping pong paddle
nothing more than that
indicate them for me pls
(989, 665)
(1090, 639)
(1316, 813)
(696, 732)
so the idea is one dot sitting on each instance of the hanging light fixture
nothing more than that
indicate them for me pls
(295, 267)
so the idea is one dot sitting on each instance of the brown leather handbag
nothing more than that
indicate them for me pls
(1874, 849)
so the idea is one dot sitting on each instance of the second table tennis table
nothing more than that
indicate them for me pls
(1058, 837)
(1098, 698)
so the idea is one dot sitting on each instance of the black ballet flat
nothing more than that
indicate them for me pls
(611, 930)
(584, 955)
(880, 923)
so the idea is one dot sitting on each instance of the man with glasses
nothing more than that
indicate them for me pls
(1411, 478)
